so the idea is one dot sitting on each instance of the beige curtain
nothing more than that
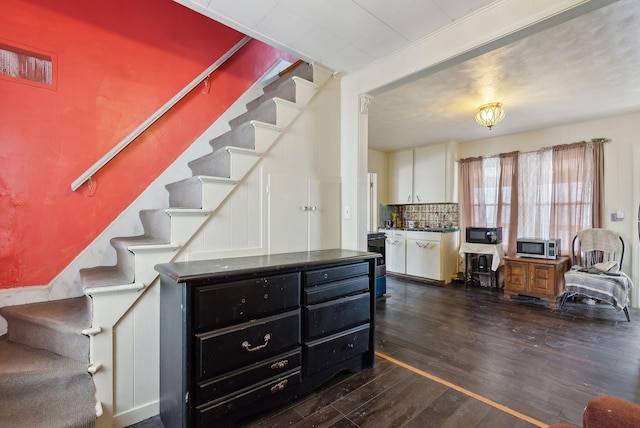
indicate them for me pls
(508, 201)
(472, 192)
(490, 199)
(572, 201)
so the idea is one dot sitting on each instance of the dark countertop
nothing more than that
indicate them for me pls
(222, 268)
(424, 229)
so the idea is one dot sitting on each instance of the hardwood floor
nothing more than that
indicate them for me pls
(468, 357)
(537, 362)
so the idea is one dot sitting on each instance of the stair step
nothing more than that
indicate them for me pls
(285, 89)
(201, 191)
(101, 276)
(125, 271)
(275, 111)
(296, 89)
(126, 259)
(156, 223)
(185, 222)
(43, 389)
(303, 70)
(223, 163)
(54, 326)
(214, 164)
(251, 135)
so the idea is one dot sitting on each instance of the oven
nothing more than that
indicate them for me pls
(376, 244)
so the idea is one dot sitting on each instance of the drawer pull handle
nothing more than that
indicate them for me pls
(279, 386)
(279, 364)
(247, 346)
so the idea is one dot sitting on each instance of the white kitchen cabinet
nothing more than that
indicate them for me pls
(429, 174)
(429, 255)
(395, 251)
(401, 177)
(424, 175)
(303, 213)
(424, 254)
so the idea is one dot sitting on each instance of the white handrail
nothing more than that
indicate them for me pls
(155, 116)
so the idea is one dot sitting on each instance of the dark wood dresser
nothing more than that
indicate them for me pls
(240, 336)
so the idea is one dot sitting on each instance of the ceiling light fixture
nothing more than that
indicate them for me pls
(490, 114)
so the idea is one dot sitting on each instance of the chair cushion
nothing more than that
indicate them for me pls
(608, 266)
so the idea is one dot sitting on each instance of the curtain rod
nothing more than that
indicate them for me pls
(593, 140)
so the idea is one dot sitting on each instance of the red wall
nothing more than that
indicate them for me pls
(117, 63)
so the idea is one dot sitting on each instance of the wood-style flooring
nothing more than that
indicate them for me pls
(450, 356)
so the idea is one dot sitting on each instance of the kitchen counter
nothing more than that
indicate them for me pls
(423, 229)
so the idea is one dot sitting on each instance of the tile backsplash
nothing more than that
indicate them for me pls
(423, 215)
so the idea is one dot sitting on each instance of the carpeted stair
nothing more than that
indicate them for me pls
(43, 366)
(44, 356)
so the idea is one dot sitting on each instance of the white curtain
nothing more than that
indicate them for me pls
(535, 185)
(491, 182)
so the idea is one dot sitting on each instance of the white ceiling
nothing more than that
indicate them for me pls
(342, 35)
(585, 68)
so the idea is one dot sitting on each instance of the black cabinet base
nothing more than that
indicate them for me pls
(242, 336)
(228, 415)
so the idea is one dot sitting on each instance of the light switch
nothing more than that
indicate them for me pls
(347, 212)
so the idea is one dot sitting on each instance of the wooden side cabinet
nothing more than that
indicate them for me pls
(539, 278)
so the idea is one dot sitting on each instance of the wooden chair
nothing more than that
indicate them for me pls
(597, 256)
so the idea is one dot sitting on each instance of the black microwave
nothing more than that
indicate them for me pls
(484, 235)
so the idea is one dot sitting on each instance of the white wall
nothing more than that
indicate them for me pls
(621, 191)
(379, 164)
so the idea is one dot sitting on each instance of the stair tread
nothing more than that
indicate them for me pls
(67, 314)
(13, 358)
(139, 240)
(42, 389)
(103, 275)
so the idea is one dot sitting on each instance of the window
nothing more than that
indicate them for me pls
(557, 190)
(26, 66)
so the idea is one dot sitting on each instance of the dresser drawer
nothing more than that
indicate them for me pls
(336, 315)
(219, 305)
(247, 376)
(331, 350)
(259, 396)
(334, 274)
(323, 292)
(230, 348)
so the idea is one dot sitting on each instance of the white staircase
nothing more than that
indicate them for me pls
(114, 290)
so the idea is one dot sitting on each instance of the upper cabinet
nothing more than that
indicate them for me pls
(401, 177)
(424, 175)
(429, 174)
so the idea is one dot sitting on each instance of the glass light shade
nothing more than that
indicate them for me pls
(490, 114)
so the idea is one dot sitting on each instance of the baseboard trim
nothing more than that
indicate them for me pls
(24, 295)
(21, 296)
(137, 414)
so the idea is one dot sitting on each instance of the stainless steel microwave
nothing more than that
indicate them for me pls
(538, 248)
(484, 235)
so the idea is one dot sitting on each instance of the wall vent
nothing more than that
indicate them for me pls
(26, 66)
